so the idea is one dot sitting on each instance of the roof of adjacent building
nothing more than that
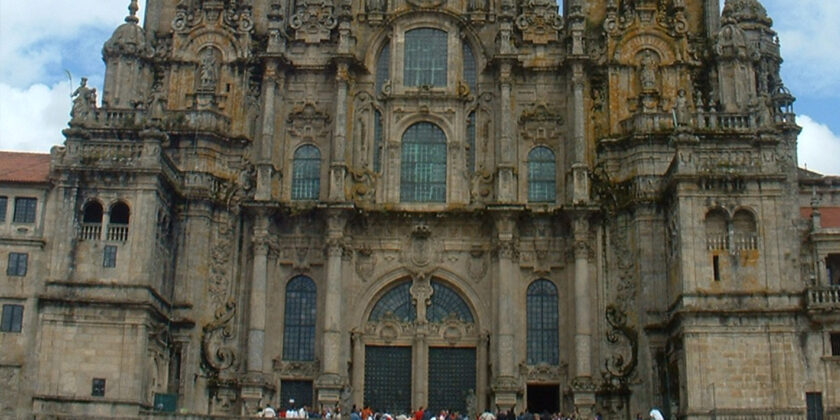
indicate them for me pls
(829, 216)
(24, 167)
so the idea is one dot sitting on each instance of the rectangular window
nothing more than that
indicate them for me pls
(835, 344)
(425, 57)
(109, 256)
(716, 267)
(17, 264)
(832, 267)
(12, 318)
(97, 387)
(3, 204)
(25, 210)
(813, 401)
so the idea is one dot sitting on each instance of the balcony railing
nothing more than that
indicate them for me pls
(118, 233)
(90, 231)
(823, 297)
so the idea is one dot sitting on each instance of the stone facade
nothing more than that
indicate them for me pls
(591, 206)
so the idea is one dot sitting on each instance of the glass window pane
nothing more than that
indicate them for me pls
(4, 201)
(425, 57)
(306, 173)
(446, 302)
(423, 165)
(299, 320)
(109, 257)
(469, 66)
(542, 323)
(11, 319)
(541, 175)
(17, 264)
(383, 71)
(25, 210)
(396, 302)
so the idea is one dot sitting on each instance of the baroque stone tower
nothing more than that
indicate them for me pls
(588, 206)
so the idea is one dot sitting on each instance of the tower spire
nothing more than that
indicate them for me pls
(132, 12)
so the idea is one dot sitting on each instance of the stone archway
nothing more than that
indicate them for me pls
(424, 322)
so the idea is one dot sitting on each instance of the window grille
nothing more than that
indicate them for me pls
(541, 176)
(469, 66)
(306, 173)
(542, 320)
(397, 302)
(4, 202)
(423, 165)
(446, 302)
(299, 320)
(425, 57)
(25, 210)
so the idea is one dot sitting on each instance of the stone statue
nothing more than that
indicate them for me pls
(207, 70)
(156, 106)
(470, 404)
(647, 72)
(682, 114)
(84, 102)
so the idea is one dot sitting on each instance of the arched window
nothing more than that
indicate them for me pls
(118, 222)
(396, 302)
(541, 178)
(423, 165)
(377, 141)
(446, 302)
(469, 66)
(471, 144)
(383, 70)
(425, 57)
(543, 340)
(717, 237)
(745, 234)
(92, 220)
(299, 320)
(306, 173)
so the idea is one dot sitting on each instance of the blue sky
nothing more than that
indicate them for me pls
(40, 41)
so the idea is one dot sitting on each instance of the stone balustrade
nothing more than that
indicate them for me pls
(90, 231)
(117, 232)
(822, 297)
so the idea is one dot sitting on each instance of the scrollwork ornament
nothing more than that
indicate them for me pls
(218, 343)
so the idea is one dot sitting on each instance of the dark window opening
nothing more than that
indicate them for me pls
(813, 402)
(832, 267)
(716, 267)
(295, 394)
(835, 344)
(17, 264)
(120, 213)
(25, 210)
(543, 399)
(4, 202)
(92, 213)
(97, 387)
(12, 318)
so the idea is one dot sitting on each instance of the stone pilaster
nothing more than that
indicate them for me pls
(338, 164)
(506, 384)
(421, 370)
(257, 304)
(583, 388)
(264, 167)
(506, 187)
(358, 379)
(331, 380)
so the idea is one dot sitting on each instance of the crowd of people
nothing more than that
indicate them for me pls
(422, 413)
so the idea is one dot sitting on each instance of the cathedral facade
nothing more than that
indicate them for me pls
(586, 206)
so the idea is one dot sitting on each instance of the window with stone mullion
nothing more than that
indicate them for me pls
(542, 323)
(299, 320)
(425, 57)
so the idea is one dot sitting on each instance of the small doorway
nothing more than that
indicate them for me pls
(543, 399)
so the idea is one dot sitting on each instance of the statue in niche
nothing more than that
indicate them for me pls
(682, 115)
(84, 102)
(647, 72)
(207, 73)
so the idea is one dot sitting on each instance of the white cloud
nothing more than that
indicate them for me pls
(810, 38)
(818, 147)
(32, 119)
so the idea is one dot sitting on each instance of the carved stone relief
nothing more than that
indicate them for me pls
(539, 21)
(313, 21)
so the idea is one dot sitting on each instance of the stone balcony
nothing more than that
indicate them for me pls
(823, 303)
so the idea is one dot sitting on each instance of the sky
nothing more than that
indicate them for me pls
(48, 45)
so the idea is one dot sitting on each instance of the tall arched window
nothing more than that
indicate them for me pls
(118, 224)
(425, 57)
(383, 70)
(469, 66)
(543, 340)
(377, 141)
(299, 320)
(423, 165)
(92, 221)
(745, 234)
(306, 173)
(541, 178)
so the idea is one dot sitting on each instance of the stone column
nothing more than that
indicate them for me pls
(421, 368)
(482, 360)
(257, 306)
(506, 384)
(331, 380)
(580, 175)
(264, 168)
(506, 182)
(582, 387)
(358, 379)
(338, 165)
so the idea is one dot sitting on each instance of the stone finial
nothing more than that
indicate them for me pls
(132, 12)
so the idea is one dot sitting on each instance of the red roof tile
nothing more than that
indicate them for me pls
(24, 167)
(829, 216)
